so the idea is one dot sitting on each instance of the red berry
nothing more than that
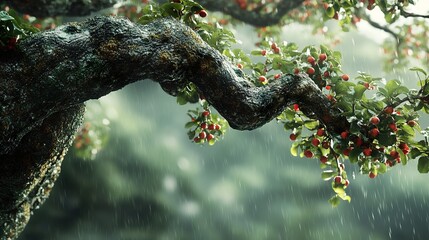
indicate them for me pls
(367, 151)
(264, 52)
(338, 179)
(296, 107)
(404, 147)
(202, 135)
(372, 175)
(296, 71)
(262, 79)
(328, 87)
(308, 154)
(323, 159)
(315, 142)
(211, 127)
(205, 113)
(344, 135)
(388, 110)
(347, 151)
(273, 45)
(345, 77)
(277, 50)
(292, 137)
(412, 123)
(326, 145)
(322, 57)
(311, 60)
(375, 120)
(277, 76)
(358, 142)
(240, 66)
(310, 71)
(335, 16)
(346, 183)
(203, 125)
(202, 13)
(394, 154)
(197, 139)
(393, 127)
(374, 132)
(210, 137)
(366, 85)
(217, 127)
(320, 132)
(326, 74)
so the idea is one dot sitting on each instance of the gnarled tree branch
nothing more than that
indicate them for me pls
(55, 71)
(52, 8)
(49, 8)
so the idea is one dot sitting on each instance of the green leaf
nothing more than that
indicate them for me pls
(191, 134)
(172, 9)
(407, 129)
(328, 174)
(416, 69)
(354, 155)
(334, 201)
(190, 124)
(423, 165)
(386, 139)
(311, 125)
(382, 168)
(339, 190)
(359, 90)
(294, 149)
(403, 157)
(4, 16)
(391, 86)
(212, 142)
(330, 12)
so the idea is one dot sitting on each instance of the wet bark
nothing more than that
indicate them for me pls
(50, 8)
(52, 73)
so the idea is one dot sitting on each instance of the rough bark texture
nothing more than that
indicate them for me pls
(49, 8)
(52, 8)
(255, 18)
(27, 174)
(54, 72)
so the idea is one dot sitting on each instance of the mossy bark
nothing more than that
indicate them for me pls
(257, 17)
(51, 74)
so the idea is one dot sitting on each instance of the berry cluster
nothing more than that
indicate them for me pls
(205, 126)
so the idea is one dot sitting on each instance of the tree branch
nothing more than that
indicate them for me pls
(55, 71)
(255, 18)
(52, 8)
(49, 8)
(408, 14)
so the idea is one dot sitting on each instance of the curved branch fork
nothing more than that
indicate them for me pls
(55, 71)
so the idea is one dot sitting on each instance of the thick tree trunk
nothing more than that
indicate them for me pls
(44, 83)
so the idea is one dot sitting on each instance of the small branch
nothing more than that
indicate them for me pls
(379, 26)
(408, 14)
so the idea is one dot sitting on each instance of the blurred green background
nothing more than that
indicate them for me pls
(151, 182)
